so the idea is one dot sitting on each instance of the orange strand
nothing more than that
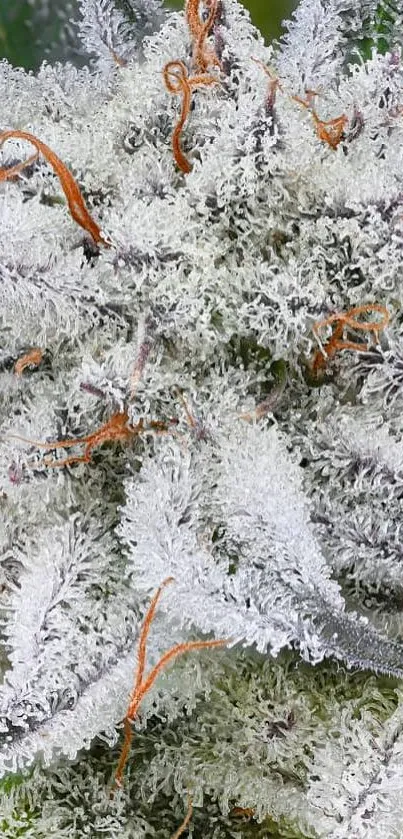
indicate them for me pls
(186, 821)
(31, 359)
(202, 56)
(199, 30)
(10, 173)
(350, 318)
(177, 81)
(120, 62)
(77, 207)
(330, 131)
(241, 812)
(142, 684)
(116, 429)
(145, 630)
(193, 17)
(339, 322)
(274, 84)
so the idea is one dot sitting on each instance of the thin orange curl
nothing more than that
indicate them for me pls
(77, 207)
(349, 319)
(116, 429)
(186, 821)
(142, 683)
(10, 173)
(120, 62)
(274, 83)
(192, 16)
(202, 56)
(330, 131)
(32, 358)
(241, 812)
(178, 81)
(199, 30)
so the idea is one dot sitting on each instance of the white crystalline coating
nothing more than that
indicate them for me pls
(312, 53)
(114, 34)
(272, 495)
(257, 502)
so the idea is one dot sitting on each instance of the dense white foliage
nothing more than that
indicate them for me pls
(281, 525)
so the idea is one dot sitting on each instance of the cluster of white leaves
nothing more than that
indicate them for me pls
(233, 530)
(283, 535)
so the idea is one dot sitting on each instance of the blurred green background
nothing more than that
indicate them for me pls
(30, 29)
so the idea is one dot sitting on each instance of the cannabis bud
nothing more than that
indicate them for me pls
(202, 383)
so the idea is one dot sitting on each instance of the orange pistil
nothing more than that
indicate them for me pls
(339, 323)
(274, 84)
(120, 62)
(193, 17)
(330, 131)
(241, 812)
(31, 358)
(143, 683)
(69, 185)
(10, 173)
(115, 430)
(309, 97)
(182, 827)
(178, 81)
(199, 30)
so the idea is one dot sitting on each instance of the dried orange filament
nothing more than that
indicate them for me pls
(199, 30)
(309, 97)
(31, 358)
(121, 62)
(241, 812)
(202, 56)
(69, 185)
(116, 429)
(274, 84)
(178, 81)
(192, 16)
(330, 131)
(142, 683)
(182, 827)
(10, 173)
(339, 323)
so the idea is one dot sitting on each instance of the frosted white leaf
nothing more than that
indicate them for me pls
(255, 572)
(114, 32)
(322, 35)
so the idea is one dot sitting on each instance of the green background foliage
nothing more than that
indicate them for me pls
(26, 35)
